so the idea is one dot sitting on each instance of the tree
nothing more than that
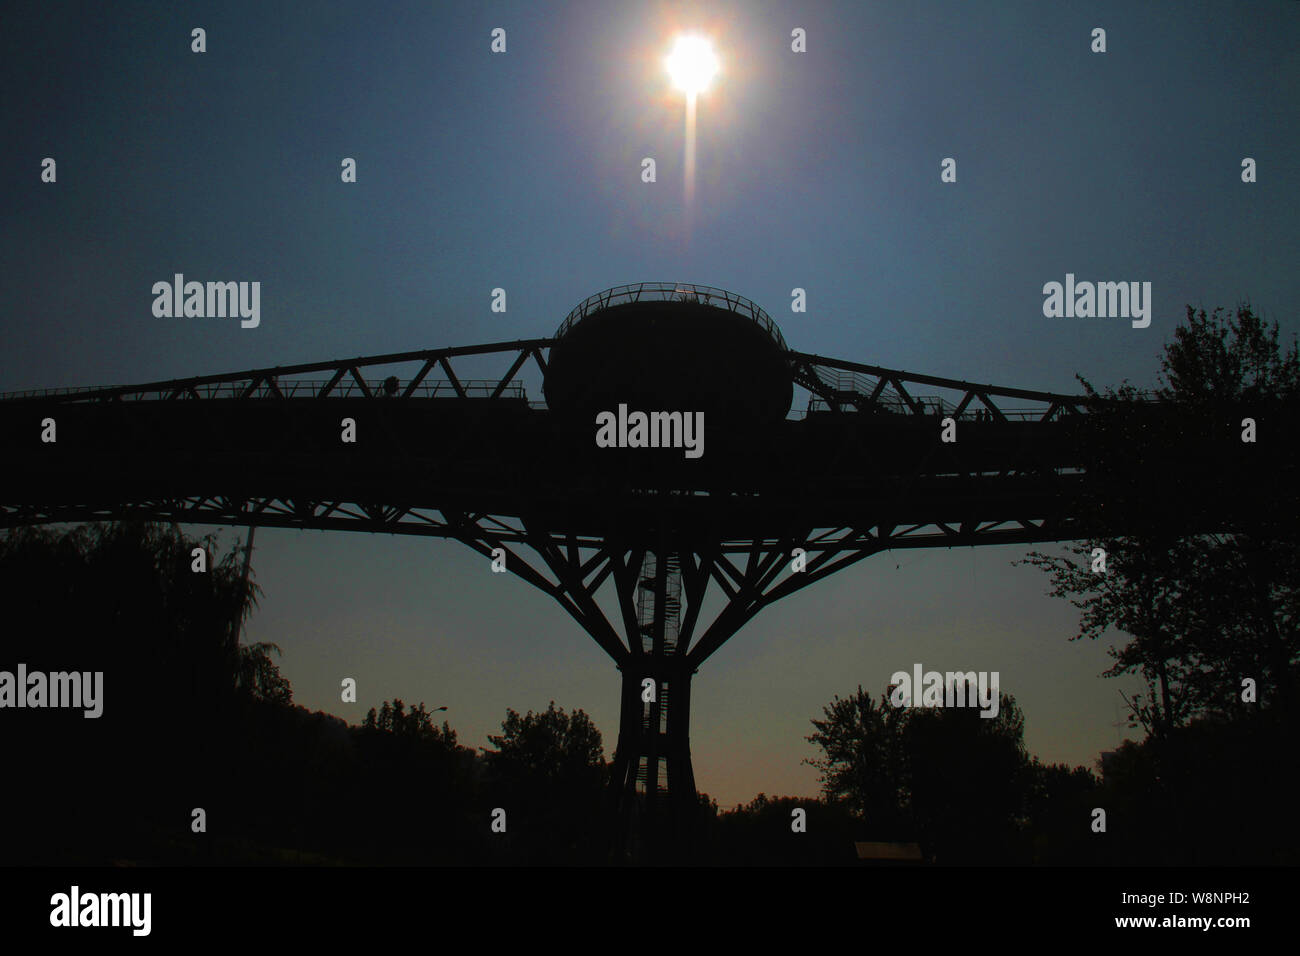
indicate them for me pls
(548, 746)
(967, 782)
(1212, 360)
(1202, 610)
(259, 676)
(417, 723)
(123, 602)
(549, 772)
(946, 777)
(135, 579)
(862, 762)
(760, 833)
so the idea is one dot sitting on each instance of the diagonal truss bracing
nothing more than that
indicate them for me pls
(345, 379)
(840, 385)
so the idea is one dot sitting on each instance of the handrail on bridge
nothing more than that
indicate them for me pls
(428, 388)
(672, 292)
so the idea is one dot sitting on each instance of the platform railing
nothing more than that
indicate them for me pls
(671, 292)
(930, 405)
(309, 388)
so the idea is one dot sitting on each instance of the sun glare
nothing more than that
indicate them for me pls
(692, 64)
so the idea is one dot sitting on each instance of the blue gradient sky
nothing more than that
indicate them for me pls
(818, 170)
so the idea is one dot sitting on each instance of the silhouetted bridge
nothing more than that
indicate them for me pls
(862, 468)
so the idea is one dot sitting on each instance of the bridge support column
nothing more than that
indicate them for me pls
(653, 785)
(660, 578)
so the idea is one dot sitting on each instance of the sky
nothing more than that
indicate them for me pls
(522, 170)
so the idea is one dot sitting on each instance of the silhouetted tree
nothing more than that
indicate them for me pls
(862, 761)
(1203, 610)
(966, 781)
(552, 744)
(548, 771)
(761, 833)
(401, 748)
(124, 600)
(416, 723)
(1058, 809)
(1194, 796)
(954, 781)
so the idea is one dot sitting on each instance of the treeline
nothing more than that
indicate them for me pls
(195, 720)
(1216, 791)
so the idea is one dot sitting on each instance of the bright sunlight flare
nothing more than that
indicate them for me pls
(692, 64)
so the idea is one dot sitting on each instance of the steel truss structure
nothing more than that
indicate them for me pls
(861, 470)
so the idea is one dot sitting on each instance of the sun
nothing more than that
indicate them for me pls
(692, 64)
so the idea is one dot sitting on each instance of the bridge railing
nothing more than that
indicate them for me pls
(49, 392)
(301, 388)
(830, 386)
(931, 405)
(671, 292)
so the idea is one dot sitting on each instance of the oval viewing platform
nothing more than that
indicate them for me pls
(671, 346)
(671, 292)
